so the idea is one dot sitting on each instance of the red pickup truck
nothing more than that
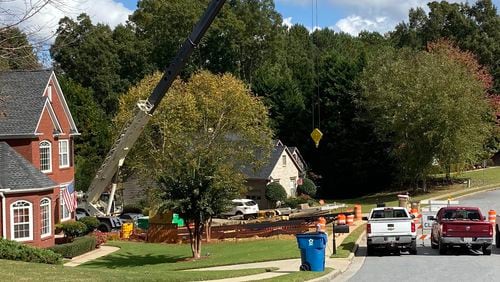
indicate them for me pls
(461, 226)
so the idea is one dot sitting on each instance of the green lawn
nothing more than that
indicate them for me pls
(478, 178)
(143, 261)
(163, 257)
(23, 271)
(349, 243)
(298, 276)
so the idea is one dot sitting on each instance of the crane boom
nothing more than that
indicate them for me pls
(134, 127)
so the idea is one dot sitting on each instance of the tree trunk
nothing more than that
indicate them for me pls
(208, 230)
(424, 184)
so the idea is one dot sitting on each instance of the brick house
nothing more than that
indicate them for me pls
(285, 166)
(36, 156)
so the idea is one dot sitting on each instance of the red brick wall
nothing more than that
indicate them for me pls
(59, 175)
(22, 146)
(34, 199)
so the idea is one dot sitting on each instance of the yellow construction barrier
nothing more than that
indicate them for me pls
(127, 229)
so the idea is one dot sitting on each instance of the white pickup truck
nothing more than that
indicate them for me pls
(391, 228)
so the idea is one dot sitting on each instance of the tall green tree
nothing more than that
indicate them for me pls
(15, 50)
(195, 144)
(87, 54)
(473, 27)
(92, 145)
(430, 107)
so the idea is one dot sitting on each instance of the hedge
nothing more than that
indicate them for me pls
(91, 222)
(78, 247)
(12, 250)
(73, 229)
(308, 188)
(275, 192)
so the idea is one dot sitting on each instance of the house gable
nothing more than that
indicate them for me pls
(286, 171)
(48, 116)
(58, 101)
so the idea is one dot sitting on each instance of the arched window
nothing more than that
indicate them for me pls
(45, 156)
(45, 222)
(21, 218)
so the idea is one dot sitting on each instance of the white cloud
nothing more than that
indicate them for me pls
(354, 24)
(288, 22)
(44, 23)
(380, 15)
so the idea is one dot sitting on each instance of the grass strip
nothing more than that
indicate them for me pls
(349, 243)
(299, 276)
(21, 271)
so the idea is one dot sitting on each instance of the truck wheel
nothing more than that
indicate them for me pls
(369, 251)
(486, 250)
(434, 245)
(413, 248)
(443, 249)
(104, 227)
(497, 237)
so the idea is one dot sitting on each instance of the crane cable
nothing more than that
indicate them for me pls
(316, 134)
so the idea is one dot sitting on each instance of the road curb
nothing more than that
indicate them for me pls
(336, 272)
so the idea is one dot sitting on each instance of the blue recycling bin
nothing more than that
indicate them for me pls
(312, 250)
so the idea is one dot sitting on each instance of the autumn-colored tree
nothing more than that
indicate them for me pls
(193, 147)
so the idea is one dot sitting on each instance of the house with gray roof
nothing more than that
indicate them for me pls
(285, 166)
(36, 157)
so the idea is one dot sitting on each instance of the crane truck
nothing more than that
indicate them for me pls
(92, 202)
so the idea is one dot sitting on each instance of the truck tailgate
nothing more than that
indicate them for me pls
(473, 229)
(390, 227)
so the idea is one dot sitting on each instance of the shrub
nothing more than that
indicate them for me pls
(307, 188)
(78, 247)
(16, 251)
(275, 192)
(294, 202)
(145, 211)
(73, 229)
(90, 222)
(132, 209)
(100, 238)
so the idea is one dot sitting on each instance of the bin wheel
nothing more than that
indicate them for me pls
(305, 267)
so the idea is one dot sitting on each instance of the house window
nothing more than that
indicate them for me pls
(63, 153)
(283, 160)
(64, 211)
(22, 221)
(45, 217)
(45, 156)
(293, 186)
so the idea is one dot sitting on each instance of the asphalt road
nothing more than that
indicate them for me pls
(428, 265)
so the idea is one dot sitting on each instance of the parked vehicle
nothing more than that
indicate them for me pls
(391, 228)
(463, 227)
(243, 207)
(131, 217)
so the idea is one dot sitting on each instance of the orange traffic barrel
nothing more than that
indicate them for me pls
(492, 216)
(341, 219)
(357, 212)
(350, 219)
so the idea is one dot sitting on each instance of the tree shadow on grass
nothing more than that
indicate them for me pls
(131, 260)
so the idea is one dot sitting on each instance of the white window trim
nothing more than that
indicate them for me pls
(43, 235)
(283, 160)
(50, 156)
(62, 205)
(49, 92)
(30, 210)
(67, 153)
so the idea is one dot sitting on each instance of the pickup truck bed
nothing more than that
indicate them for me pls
(391, 229)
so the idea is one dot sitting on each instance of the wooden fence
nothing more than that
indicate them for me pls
(169, 233)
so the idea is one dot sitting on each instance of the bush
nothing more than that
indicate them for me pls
(294, 202)
(275, 192)
(100, 237)
(132, 209)
(307, 188)
(145, 211)
(90, 222)
(16, 251)
(73, 229)
(78, 247)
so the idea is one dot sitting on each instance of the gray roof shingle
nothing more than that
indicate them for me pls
(267, 169)
(16, 173)
(21, 101)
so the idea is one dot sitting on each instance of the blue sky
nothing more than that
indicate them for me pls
(350, 16)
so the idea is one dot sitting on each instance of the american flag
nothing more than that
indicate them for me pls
(69, 197)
